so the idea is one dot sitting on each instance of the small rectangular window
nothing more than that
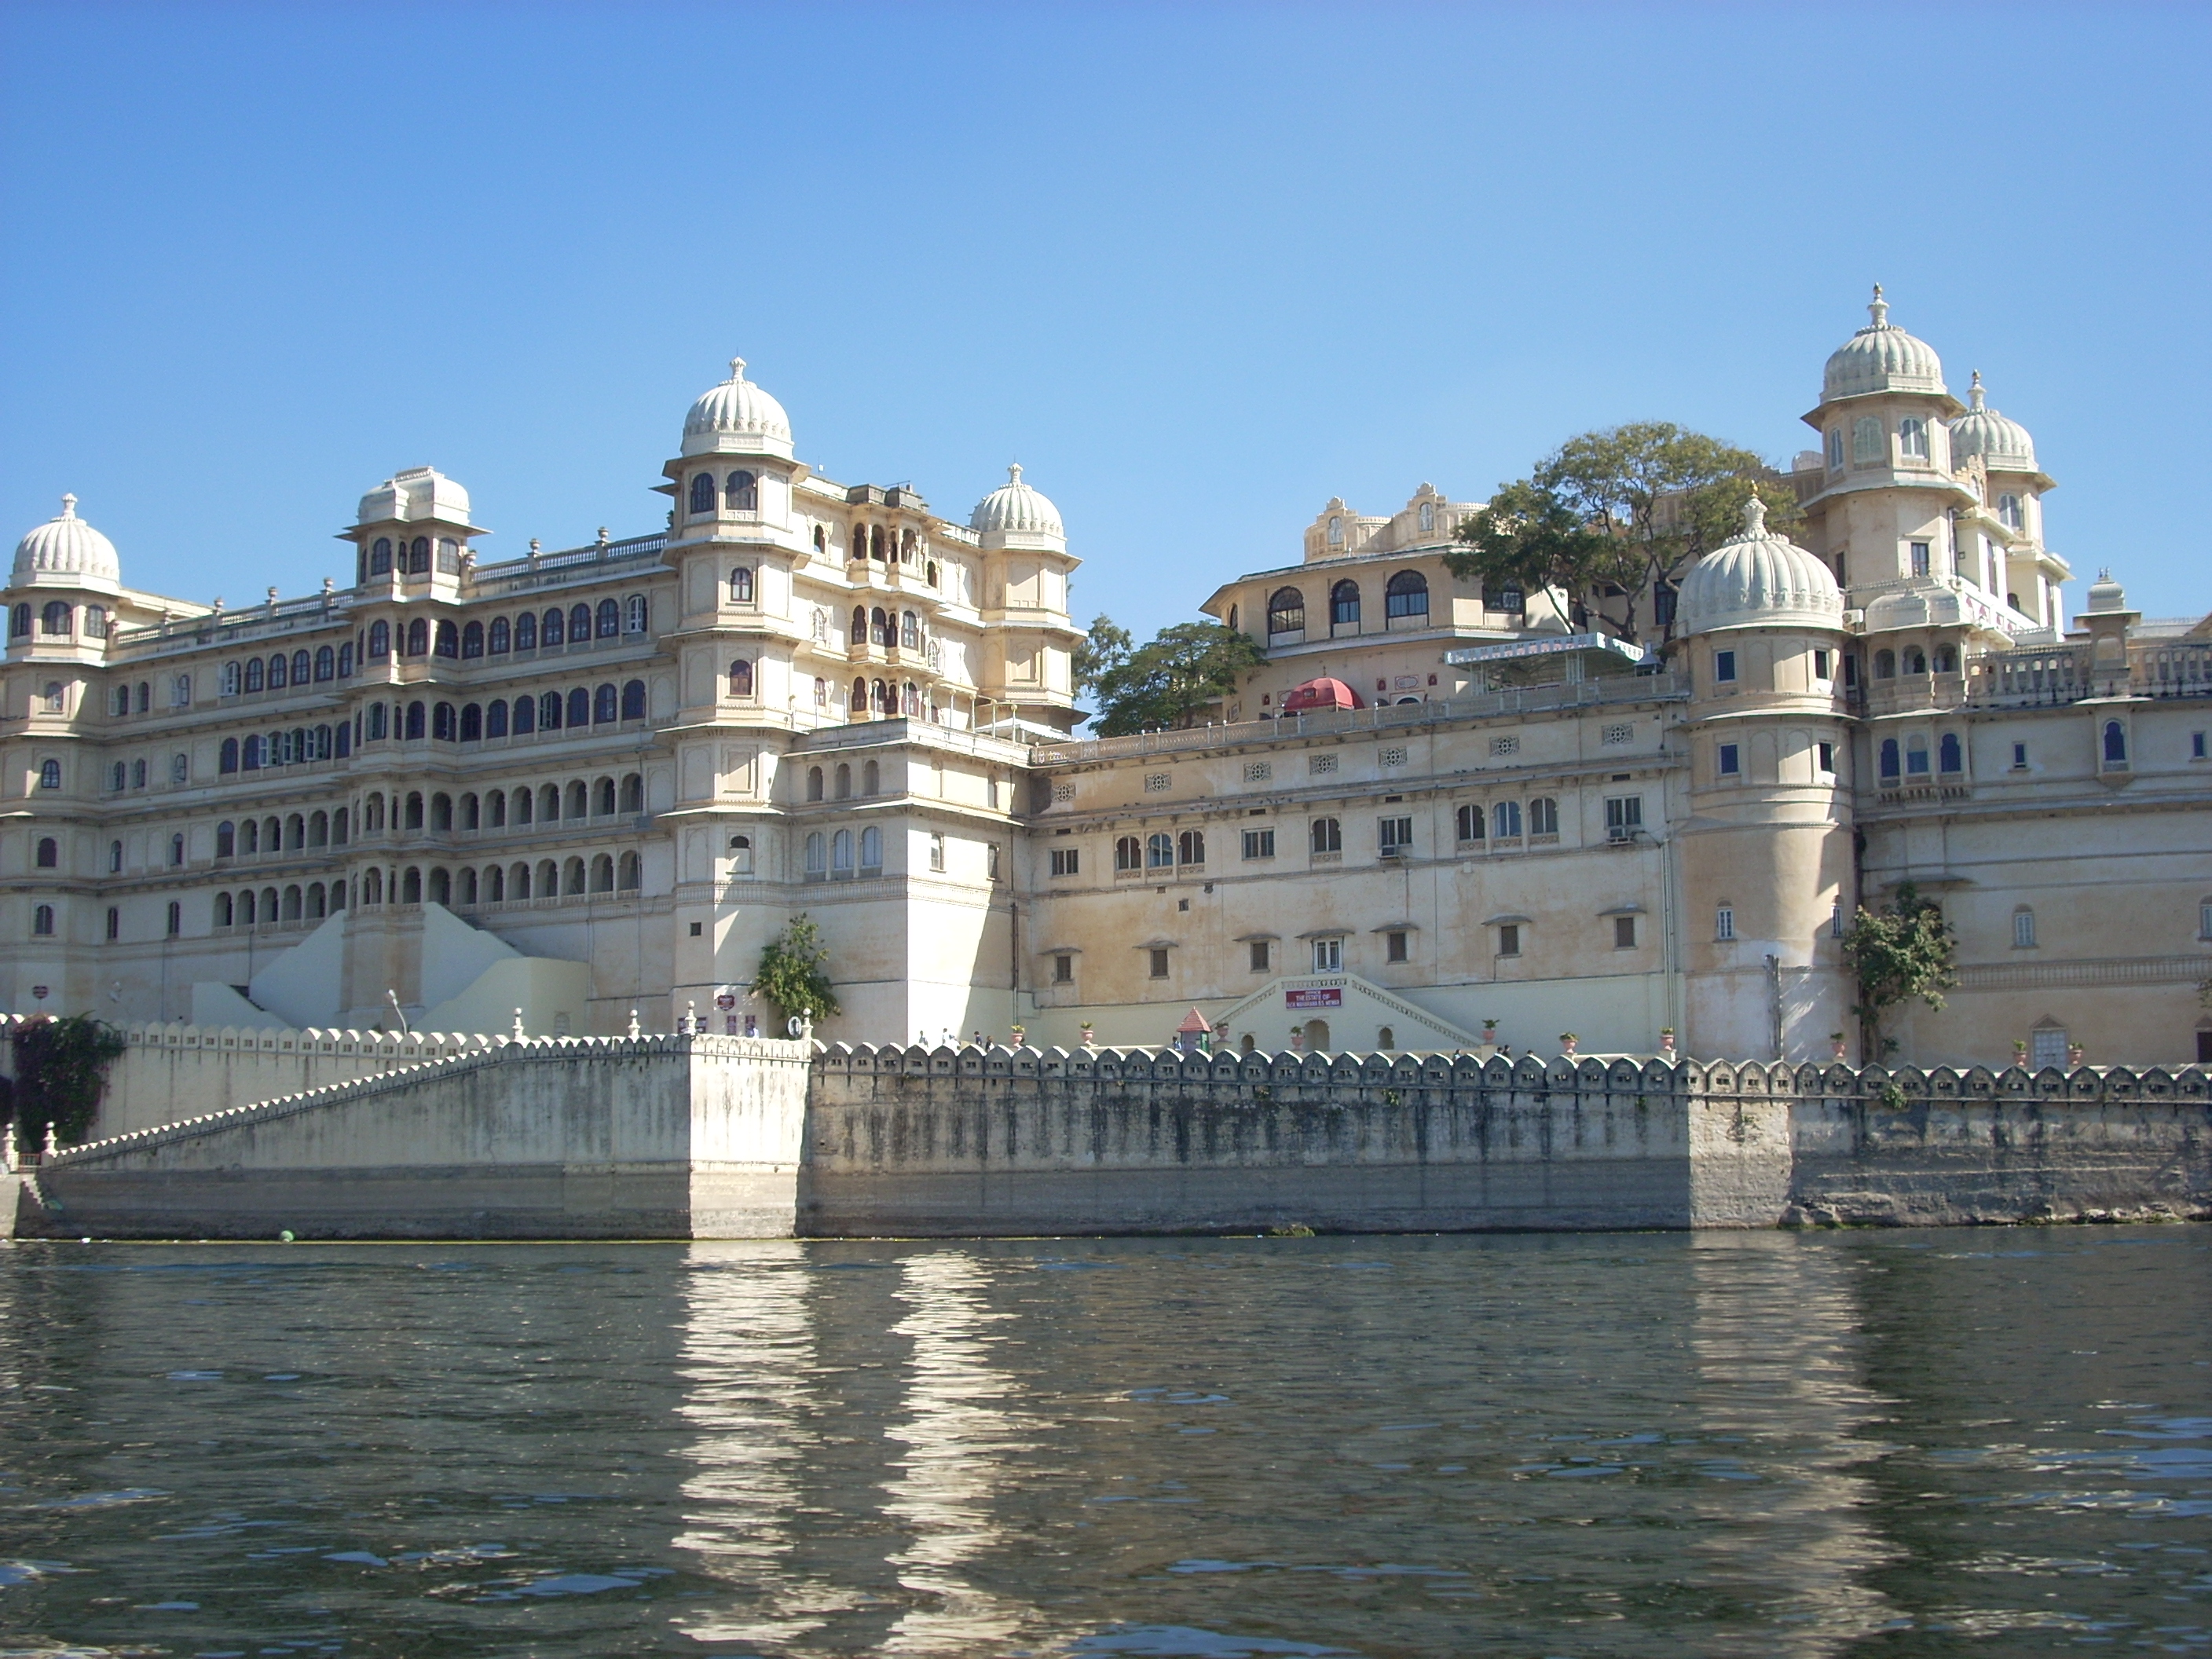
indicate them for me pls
(1063, 970)
(1724, 666)
(1821, 665)
(114, 923)
(1920, 558)
(2019, 758)
(1851, 669)
(1397, 837)
(1508, 939)
(1259, 843)
(1393, 947)
(1724, 922)
(1624, 933)
(1730, 760)
(2197, 745)
(1826, 752)
(2047, 1045)
(1159, 964)
(1263, 955)
(1065, 861)
(2023, 929)
(937, 852)
(2205, 920)
(1327, 955)
(991, 862)
(1623, 817)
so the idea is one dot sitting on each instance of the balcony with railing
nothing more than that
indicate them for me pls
(568, 565)
(2052, 675)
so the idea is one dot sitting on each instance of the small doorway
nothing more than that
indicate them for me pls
(1317, 1036)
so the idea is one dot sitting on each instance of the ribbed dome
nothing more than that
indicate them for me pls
(1882, 357)
(2106, 594)
(736, 418)
(2003, 444)
(67, 546)
(1015, 509)
(1759, 581)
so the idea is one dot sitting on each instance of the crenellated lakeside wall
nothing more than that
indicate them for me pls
(722, 1137)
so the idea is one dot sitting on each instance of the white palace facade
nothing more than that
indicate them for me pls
(589, 785)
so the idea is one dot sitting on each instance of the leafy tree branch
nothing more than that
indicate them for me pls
(792, 975)
(1171, 680)
(1896, 955)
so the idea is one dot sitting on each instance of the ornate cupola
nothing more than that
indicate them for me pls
(62, 585)
(412, 534)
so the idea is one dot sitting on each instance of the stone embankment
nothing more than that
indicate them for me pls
(721, 1137)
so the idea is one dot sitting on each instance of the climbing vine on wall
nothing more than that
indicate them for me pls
(61, 1072)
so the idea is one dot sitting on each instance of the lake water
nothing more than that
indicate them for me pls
(1986, 1442)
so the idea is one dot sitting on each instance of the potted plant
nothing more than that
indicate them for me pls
(1836, 1045)
(2074, 1053)
(1569, 1042)
(1090, 1035)
(1667, 1042)
(1019, 1031)
(2019, 1051)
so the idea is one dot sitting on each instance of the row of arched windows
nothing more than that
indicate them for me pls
(502, 884)
(740, 493)
(1507, 819)
(383, 556)
(1887, 664)
(279, 671)
(121, 699)
(57, 620)
(547, 711)
(884, 628)
(295, 747)
(1406, 595)
(498, 809)
(840, 781)
(269, 908)
(1910, 758)
(252, 836)
(879, 699)
(831, 857)
(578, 624)
(1159, 850)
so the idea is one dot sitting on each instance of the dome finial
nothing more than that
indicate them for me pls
(1878, 308)
(736, 369)
(1754, 518)
(1014, 472)
(68, 506)
(1976, 393)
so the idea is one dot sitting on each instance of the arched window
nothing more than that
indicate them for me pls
(279, 673)
(326, 664)
(1916, 660)
(549, 711)
(844, 779)
(379, 648)
(495, 720)
(1428, 517)
(2008, 513)
(138, 774)
(292, 902)
(1287, 612)
(418, 639)
(741, 584)
(579, 706)
(411, 886)
(1946, 660)
(415, 712)
(1128, 854)
(1916, 757)
(379, 557)
(817, 861)
(871, 851)
(910, 631)
(1159, 851)
(1325, 836)
(549, 803)
(876, 543)
(814, 783)
(1407, 595)
(858, 633)
(703, 494)
(741, 678)
(1470, 821)
(49, 855)
(1950, 756)
(840, 856)
(250, 757)
(607, 704)
(256, 672)
(1890, 767)
(224, 910)
(636, 614)
(345, 660)
(54, 620)
(629, 873)
(449, 555)
(1190, 847)
(1866, 440)
(418, 556)
(472, 723)
(226, 760)
(518, 882)
(608, 619)
(1543, 816)
(871, 777)
(553, 627)
(2023, 928)
(119, 777)
(57, 698)
(1505, 820)
(744, 493)
(879, 628)
(603, 873)
(1912, 438)
(319, 830)
(449, 640)
(19, 622)
(227, 683)
(2116, 744)
(303, 668)
(499, 638)
(1344, 605)
(633, 700)
(42, 921)
(443, 725)
(882, 691)
(633, 792)
(858, 702)
(1335, 531)
(580, 623)
(526, 631)
(603, 797)
(911, 694)
(1885, 665)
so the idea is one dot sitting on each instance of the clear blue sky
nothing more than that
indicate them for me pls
(1199, 268)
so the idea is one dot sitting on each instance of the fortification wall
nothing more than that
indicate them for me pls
(551, 1137)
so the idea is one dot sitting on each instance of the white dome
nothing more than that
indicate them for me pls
(1882, 357)
(736, 418)
(1759, 580)
(2003, 444)
(1015, 509)
(66, 546)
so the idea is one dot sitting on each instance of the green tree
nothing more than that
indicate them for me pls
(791, 972)
(61, 1072)
(1169, 680)
(1624, 508)
(1905, 951)
(1104, 647)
